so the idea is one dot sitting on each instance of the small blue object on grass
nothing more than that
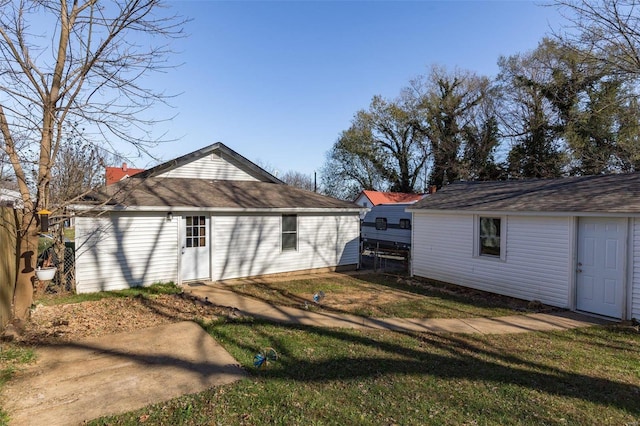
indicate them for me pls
(318, 296)
(264, 357)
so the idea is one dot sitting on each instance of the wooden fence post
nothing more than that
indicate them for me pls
(8, 263)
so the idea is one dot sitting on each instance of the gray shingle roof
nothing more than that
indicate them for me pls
(596, 194)
(201, 193)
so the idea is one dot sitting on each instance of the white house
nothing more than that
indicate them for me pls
(570, 242)
(369, 199)
(10, 198)
(209, 215)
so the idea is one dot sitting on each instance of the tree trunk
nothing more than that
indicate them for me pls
(27, 258)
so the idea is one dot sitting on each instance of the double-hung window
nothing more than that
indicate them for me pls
(289, 232)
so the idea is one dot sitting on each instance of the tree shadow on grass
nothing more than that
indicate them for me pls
(442, 297)
(439, 356)
(616, 338)
(451, 292)
(488, 359)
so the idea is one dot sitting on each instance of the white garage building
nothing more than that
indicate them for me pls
(570, 242)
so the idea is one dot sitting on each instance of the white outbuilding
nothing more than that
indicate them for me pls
(208, 215)
(570, 242)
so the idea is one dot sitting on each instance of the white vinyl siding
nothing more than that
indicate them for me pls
(118, 251)
(635, 282)
(536, 261)
(211, 167)
(250, 245)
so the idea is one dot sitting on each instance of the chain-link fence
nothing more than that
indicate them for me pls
(385, 259)
(60, 255)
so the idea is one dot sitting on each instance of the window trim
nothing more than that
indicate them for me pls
(503, 237)
(283, 233)
(195, 234)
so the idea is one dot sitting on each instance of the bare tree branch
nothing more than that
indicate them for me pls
(85, 67)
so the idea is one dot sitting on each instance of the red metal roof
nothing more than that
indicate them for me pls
(377, 197)
(116, 174)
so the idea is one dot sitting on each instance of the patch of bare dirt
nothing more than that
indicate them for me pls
(73, 321)
(70, 322)
(368, 296)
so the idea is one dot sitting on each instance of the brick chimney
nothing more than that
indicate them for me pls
(124, 167)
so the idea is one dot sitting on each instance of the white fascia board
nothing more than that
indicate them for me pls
(522, 213)
(83, 207)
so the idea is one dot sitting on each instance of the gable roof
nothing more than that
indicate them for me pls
(377, 197)
(116, 174)
(217, 148)
(618, 193)
(201, 194)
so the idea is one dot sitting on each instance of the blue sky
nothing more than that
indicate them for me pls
(278, 81)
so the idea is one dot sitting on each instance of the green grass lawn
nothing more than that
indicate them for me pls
(587, 376)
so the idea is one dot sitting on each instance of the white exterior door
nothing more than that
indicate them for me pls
(194, 263)
(601, 264)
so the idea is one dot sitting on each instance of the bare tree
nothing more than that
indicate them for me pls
(79, 168)
(383, 149)
(450, 105)
(299, 180)
(83, 62)
(290, 177)
(608, 29)
(6, 171)
(345, 173)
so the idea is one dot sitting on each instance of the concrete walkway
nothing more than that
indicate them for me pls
(79, 381)
(241, 305)
(74, 382)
